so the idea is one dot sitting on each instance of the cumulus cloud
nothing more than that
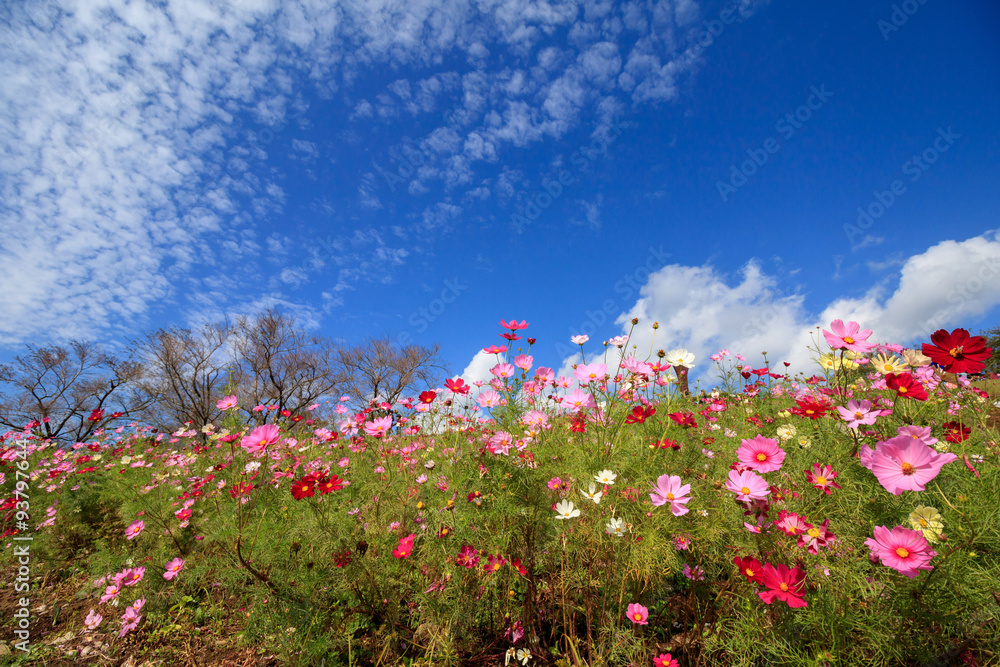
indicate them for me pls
(703, 310)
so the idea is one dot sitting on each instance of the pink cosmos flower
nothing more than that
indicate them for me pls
(816, 537)
(524, 362)
(93, 620)
(791, 523)
(904, 463)
(130, 619)
(131, 576)
(579, 340)
(668, 489)
(665, 660)
(227, 402)
(174, 568)
(857, 413)
(918, 433)
(848, 337)
(747, 485)
(260, 439)
(377, 428)
(902, 549)
(577, 400)
(637, 614)
(110, 593)
(535, 418)
(587, 373)
(693, 573)
(761, 454)
(405, 547)
(134, 529)
(488, 399)
(821, 477)
(503, 370)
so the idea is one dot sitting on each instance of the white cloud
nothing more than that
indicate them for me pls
(702, 310)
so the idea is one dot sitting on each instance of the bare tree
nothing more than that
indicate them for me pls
(185, 374)
(70, 391)
(379, 369)
(278, 363)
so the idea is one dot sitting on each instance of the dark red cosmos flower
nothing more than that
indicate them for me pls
(532, 341)
(96, 415)
(457, 386)
(514, 325)
(510, 336)
(523, 571)
(640, 414)
(750, 568)
(955, 432)
(329, 484)
(240, 489)
(957, 352)
(905, 386)
(428, 396)
(810, 407)
(303, 488)
(685, 419)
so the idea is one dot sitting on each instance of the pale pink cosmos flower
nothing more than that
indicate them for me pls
(587, 373)
(524, 362)
(848, 337)
(535, 418)
(747, 485)
(488, 399)
(904, 463)
(618, 341)
(918, 433)
(260, 439)
(577, 400)
(857, 413)
(761, 454)
(134, 529)
(579, 340)
(668, 489)
(902, 549)
(174, 568)
(110, 593)
(503, 370)
(93, 620)
(377, 428)
(227, 402)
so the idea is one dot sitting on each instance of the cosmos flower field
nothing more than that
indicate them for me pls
(846, 515)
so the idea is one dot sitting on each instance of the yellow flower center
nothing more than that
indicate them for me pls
(783, 586)
(813, 532)
(922, 522)
(908, 469)
(761, 456)
(670, 496)
(750, 572)
(902, 553)
(745, 490)
(859, 415)
(955, 351)
(637, 616)
(848, 340)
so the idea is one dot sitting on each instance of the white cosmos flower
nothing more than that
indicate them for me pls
(680, 357)
(593, 494)
(566, 510)
(606, 477)
(615, 527)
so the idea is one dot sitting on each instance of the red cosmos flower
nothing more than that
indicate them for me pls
(822, 478)
(665, 444)
(329, 484)
(457, 386)
(532, 341)
(957, 352)
(956, 432)
(96, 415)
(750, 568)
(510, 336)
(428, 396)
(685, 419)
(578, 424)
(405, 547)
(905, 386)
(495, 349)
(640, 414)
(810, 407)
(514, 325)
(786, 585)
(240, 489)
(303, 488)
(520, 568)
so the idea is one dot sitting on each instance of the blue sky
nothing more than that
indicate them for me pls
(425, 169)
